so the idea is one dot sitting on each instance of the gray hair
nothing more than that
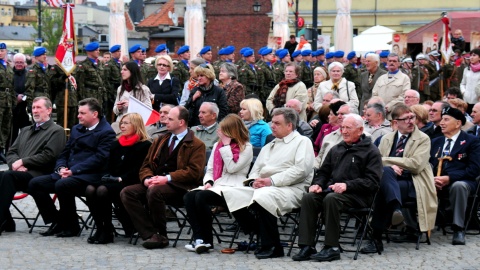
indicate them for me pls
(231, 70)
(375, 57)
(417, 95)
(213, 107)
(335, 64)
(378, 108)
(358, 119)
(198, 61)
(20, 55)
(351, 109)
(376, 99)
(394, 55)
(290, 115)
(333, 93)
(48, 102)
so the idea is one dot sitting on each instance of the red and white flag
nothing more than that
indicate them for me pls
(149, 115)
(67, 46)
(446, 47)
(54, 3)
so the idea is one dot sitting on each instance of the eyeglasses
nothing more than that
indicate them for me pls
(407, 119)
(125, 123)
(163, 65)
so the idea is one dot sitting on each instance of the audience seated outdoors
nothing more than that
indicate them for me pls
(126, 156)
(376, 124)
(33, 154)
(304, 126)
(174, 164)
(251, 113)
(82, 162)
(332, 125)
(158, 129)
(227, 168)
(349, 177)
(207, 130)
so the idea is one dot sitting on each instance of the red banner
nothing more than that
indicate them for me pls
(446, 46)
(67, 46)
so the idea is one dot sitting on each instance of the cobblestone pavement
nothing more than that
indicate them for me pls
(21, 250)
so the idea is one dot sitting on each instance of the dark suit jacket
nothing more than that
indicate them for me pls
(366, 87)
(86, 152)
(434, 132)
(465, 164)
(165, 93)
(472, 130)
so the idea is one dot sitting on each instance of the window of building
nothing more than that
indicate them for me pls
(355, 32)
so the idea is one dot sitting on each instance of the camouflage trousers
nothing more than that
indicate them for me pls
(72, 119)
(5, 117)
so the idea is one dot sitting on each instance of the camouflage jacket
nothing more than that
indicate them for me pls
(113, 77)
(37, 82)
(181, 72)
(89, 79)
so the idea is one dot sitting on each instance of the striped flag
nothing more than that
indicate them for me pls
(446, 47)
(67, 46)
(55, 3)
(149, 115)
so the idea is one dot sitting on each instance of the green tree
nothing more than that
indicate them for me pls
(52, 28)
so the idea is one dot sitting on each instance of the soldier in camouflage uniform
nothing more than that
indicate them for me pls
(306, 73)
(89, 75)
(421, 77)
(38, 81)
(329, 58)
(279, 66)
(136, 55)
(266, 71)
(113, 80)
(384, 59)
(58, 85)
(351, 72)
(181, 69)
(7, 97)
(338, 57)
(226, 54)
(432, 77)
(297, 57)
(450, 74)
(206, 54)
(248, 74)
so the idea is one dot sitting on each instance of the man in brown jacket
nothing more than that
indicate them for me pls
(174, 165)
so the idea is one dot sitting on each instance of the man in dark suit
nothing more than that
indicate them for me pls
(82, 163)
(435, 116)
(369, 77)
(475, 130)
(457, 180)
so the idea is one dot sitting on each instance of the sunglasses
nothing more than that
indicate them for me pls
(163, 65)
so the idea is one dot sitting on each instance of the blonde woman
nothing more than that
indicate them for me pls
(251, 112)
(165, 88)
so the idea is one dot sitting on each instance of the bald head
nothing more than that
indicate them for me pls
(294, 104)
(412, 97)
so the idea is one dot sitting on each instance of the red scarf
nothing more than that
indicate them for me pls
(127, 86)
(128, 140)
(218, 161)
(280, 97)
(192, 83)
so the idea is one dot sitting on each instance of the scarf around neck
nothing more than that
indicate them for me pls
(280, 97)
(128, 140)
(218, 160)
(475, 67)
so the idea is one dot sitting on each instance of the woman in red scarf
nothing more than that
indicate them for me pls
(126, 157)
(227, 168)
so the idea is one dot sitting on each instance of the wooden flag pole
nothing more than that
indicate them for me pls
(65, 110)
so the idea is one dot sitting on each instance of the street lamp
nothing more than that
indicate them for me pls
(256, 6)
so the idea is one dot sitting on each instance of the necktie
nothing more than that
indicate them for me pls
(400, 144)
(446, 150)
(478, 131)
(172, 144)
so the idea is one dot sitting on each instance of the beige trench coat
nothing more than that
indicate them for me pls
(298, 92)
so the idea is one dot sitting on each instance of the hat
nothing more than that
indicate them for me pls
(339, 54)
(455, 113)
(144, 49)
(282, 53)
(229, 49)
(434, 53)
(306, 52)
(135, 48)
(322, 71)
(466, 56)
(242, 50)
(115, 48)
(266, 51)
(39, 51)
(183, 49)
(3, 46)
(408, 60)
(351, 55)
(329, 55)
(261, 49)
(296, 53)
(320, 52)
(248, 52)
(161, 48)
(421, 56)
(205, 49)
(384, 54)
(92, 46)
(315, 53)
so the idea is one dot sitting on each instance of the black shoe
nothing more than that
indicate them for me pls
(372, 248)
(458, 238)
(68, 233)
(397, 217)
(409, 237)
(270, 252)
(327, 255)
(94, 238)
(52, 230)
(304, 254)
(10, 226)
(105, 238)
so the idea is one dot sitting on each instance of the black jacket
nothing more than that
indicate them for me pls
(213, 94)
(359, 166)
(125, 161)
(166, 93)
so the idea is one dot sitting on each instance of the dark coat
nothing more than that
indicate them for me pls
(465, 164)
(125, 161)
(472, 130)
(368, 87)
(165, 93)
(359, 166)
(86, 152)
(214, 94)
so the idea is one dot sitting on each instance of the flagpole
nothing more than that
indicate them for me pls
(65, 99)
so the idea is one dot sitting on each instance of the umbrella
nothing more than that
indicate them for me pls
(117, 29)
(343, 32)
(194, 32)
(280, 21)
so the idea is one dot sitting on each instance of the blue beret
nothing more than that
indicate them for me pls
(229, 49)
(39, 51)
(329, 55)
(135, 48)
(3, 46)
(92, 46)
(266, 51)
(221, 51)
(161, 48)
(384, 54)
(248, 52)
(144, 49)
(183, 49)
(242, 50)
(339, 54)
(261, 49)
(282, 53)
(320, 52)
(205, 49)
(314, 53)
(306, 52)
(351, 55)
(115, 48)
(296, 53)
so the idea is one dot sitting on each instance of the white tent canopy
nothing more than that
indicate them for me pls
(373, 39)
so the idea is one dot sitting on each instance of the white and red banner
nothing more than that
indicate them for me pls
(55, 3)
(149, 115)
(67, 46)
(446, 46)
